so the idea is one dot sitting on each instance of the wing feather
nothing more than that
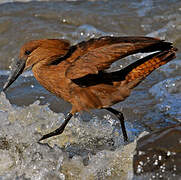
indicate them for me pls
(98, 54)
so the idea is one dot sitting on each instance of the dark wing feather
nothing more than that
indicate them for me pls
(98, 54)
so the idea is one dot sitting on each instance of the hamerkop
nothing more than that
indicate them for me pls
(77, 73)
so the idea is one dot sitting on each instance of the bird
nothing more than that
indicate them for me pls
(78, 73)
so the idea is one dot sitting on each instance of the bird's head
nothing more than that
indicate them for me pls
(36, 51)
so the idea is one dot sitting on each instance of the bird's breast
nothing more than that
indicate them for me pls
(53, 79)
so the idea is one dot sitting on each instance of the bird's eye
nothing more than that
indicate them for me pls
(27, 52)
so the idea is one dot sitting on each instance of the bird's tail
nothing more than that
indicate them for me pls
(143, 67)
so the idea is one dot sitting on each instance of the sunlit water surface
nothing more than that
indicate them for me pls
(92, 146)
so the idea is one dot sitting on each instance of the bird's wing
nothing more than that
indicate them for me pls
(98, 54)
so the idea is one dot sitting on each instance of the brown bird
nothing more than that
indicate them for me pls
(77, 73)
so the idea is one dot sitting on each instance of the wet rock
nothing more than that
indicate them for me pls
(4, 144)
(158, 155)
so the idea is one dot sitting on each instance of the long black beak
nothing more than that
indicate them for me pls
(17, 69)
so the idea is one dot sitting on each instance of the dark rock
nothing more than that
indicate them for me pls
(158, 154)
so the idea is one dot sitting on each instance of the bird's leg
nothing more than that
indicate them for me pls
(120, 116)
(58, 130)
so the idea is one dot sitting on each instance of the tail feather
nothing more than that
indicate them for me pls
(142, 68)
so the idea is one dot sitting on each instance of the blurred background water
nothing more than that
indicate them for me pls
(91, 146)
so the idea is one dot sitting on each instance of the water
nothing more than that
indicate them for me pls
(23, 157)
(92, 146)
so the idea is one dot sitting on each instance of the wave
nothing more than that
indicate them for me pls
(12, 1)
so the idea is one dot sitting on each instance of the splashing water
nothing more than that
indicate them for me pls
(23, 157)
